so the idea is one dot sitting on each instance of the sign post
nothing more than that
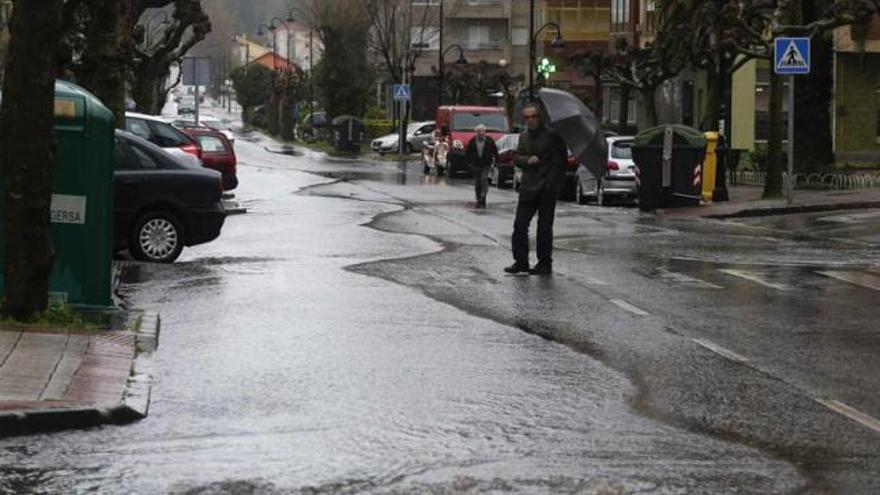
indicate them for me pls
(196, 72)
(791, 58)
(402, 95)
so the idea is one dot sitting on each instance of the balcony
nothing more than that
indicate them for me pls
(479, 9)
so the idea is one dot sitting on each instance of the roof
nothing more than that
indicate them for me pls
(273, 61)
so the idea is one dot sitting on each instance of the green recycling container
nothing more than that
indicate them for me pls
(669, 166)
(82, 201)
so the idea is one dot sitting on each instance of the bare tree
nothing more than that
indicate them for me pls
(153, 59)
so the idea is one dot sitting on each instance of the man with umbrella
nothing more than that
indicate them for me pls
(541, 154)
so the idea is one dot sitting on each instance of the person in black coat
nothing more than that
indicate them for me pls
(481, 153)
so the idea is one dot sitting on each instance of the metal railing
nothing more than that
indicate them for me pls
(834, 181)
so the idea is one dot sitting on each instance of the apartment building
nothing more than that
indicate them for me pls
(856, 106)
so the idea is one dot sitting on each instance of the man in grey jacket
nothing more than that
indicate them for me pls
(541, 154)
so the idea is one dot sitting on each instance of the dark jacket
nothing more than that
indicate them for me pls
(549, 172)
(490, 153)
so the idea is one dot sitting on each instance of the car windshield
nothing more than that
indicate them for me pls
(467, 121)
(622, 150)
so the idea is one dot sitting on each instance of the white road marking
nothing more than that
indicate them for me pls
(683, 279)
(629, 307)
(851, 413)
(595, 281)
(756, 278)
(855, 278)
(717, 349)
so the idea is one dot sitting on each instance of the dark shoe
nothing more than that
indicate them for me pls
(542, 269)
(517, 268)
(481, 204)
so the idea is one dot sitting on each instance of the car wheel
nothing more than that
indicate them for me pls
(601, 197)
(157, 237)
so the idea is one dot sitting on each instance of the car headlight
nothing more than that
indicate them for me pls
(457, 144)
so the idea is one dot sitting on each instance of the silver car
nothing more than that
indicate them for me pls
(619, 180)
(418, 134)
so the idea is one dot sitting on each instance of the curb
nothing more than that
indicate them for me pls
(133, 406)
(790, 210)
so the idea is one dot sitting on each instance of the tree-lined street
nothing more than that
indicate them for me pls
(389, 353)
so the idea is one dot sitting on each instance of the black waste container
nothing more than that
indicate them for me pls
(669, 166)
(348, 133)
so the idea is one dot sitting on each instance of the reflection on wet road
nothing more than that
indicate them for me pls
(353, 333)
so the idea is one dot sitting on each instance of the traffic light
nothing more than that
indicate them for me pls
(546, 68)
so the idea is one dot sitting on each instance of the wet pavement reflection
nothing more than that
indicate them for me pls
(349, 335)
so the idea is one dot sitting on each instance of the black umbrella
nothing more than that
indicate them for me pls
(579, 128)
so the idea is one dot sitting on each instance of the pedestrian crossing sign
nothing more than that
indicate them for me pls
(401, 92)
(792, 56)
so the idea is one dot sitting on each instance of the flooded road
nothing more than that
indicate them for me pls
(353, 334)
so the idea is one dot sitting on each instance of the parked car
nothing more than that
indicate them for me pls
(162, 203)
(217, 154)
(164, 135)
(502, 174)
(418, 134)
(209, 122)
(459, 123)
(619, 180)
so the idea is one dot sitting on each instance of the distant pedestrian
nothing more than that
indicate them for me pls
(482, 153)
(541, 154)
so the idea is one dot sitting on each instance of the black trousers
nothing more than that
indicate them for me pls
(481, 182)
(544, 204)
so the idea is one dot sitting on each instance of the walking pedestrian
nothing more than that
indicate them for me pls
(541, 154)
(481, 154)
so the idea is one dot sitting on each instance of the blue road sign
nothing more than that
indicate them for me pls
(791, 56)
(401, 92)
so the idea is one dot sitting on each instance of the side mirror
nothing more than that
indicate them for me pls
(515, 129)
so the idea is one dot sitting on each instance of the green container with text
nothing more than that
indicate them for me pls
(82, 200)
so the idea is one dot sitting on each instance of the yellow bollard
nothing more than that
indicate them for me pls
(710, 165)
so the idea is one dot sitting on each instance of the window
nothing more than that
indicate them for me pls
(211, 144)
(478, 35)
(138, 127)
(494, 122)
(142, 158)
(581, 20)
(425, 35)
(611, 108)
(121, 160)
(167, 136)
(622, 150)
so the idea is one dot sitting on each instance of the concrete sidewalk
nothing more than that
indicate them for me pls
(53, 379)
(746, 201)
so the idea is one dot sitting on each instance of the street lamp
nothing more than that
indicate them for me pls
(557, 42)
(461, 61)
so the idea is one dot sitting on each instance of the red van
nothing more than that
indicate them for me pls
(458, 123)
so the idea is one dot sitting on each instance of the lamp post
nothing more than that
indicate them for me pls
(557, 42)
(461, 61)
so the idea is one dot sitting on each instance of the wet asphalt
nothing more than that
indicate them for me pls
(354, 333)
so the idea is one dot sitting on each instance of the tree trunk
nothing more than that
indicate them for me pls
(287, 117)
(650, 106)
(146, 88)
(27, 155)
(714, 89)
(773, 165)
(623, 110)
(813, 148)
(104, 60)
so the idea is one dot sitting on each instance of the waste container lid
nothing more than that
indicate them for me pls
(654, 136)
